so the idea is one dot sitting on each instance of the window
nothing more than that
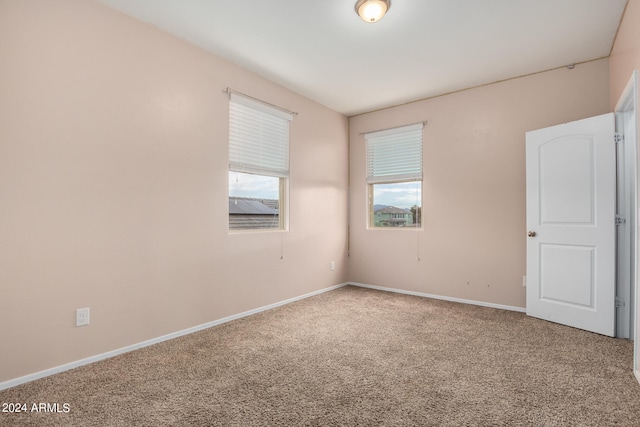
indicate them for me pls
(258, 164)
(394, 177)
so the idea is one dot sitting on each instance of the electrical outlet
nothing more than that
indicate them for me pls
(82, 316)
(332, 265)
(524, 281)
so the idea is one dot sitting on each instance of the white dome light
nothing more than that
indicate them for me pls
(372, 10)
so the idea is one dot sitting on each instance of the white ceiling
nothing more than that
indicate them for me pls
(421, 48)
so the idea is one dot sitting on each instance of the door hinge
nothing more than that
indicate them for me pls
(618, 137)
(620, 220)
(619, 302)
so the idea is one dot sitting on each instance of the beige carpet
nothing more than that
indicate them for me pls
(354, 356)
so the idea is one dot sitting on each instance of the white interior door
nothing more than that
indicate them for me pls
(571, 191)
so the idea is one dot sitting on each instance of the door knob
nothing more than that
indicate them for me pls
(531, 234)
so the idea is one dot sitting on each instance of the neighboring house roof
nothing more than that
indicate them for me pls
(393, 210)
(272, 203)
(245, 206)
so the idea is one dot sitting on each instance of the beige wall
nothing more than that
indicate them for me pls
(625, 58)
(473, 243)
(625, 55)
(113, 188)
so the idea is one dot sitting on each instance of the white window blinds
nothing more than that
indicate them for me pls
(394, 155)
(258, 138)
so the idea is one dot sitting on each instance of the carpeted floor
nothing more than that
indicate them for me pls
(354, 356)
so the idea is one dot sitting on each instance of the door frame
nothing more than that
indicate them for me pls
(626, 113)
(626, 208)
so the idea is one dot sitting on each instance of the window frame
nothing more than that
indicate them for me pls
(282, 215)
(259, 145)
(394, 156)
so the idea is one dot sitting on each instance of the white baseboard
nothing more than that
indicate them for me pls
(109, 354)
(440, 297)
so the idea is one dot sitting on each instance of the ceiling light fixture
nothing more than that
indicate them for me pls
(372, 10)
